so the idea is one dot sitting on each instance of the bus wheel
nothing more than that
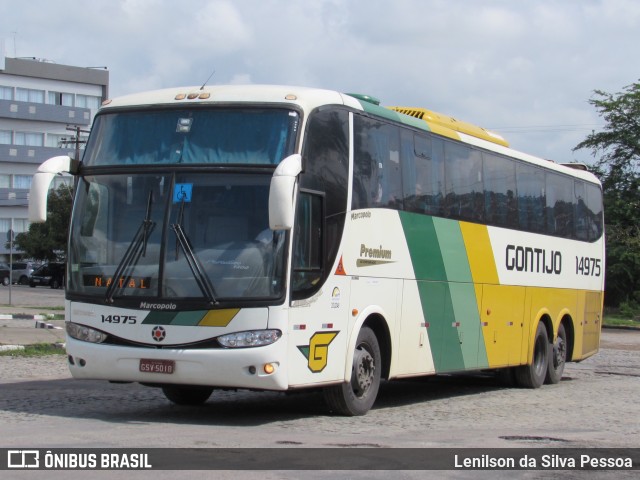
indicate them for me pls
(187, 395)
(557, 357)
(357, 396)
(532, 376)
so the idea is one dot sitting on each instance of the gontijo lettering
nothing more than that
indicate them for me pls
(534, 260)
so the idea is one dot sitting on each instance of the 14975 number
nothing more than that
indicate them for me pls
(588, 266)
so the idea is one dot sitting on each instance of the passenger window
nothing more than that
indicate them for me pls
(531, 198)
(500, 205)
(463, 188)
(559, 205)
(377, 176)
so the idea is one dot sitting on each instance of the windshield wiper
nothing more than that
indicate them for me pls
(134, 252)
(202, 279)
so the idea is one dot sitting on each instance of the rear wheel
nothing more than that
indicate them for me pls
(24, 280)
(187, 395)
(6, 281)
(533, 375)
(557, 357)
(358, 396)
(55, 284)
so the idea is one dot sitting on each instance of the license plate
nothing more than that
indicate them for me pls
(157, 366)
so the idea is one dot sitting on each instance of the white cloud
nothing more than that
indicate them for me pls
(495, 63)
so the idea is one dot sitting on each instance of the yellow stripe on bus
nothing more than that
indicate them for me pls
(219, 318)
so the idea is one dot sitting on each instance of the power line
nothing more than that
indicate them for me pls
(575, 127)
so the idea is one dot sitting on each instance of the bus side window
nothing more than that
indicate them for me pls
(423, 173)
(377, 178)
(500, 191)
(307, 244)
(464, 190)
(581, 211)
(531, 198)
(594, 212)
(559, 207)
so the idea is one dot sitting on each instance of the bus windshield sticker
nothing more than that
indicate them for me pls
(184, 125)
(182, 192)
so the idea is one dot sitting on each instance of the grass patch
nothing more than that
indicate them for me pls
(617, 320)
(37, 350)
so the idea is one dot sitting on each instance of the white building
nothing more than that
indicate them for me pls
(39, 101)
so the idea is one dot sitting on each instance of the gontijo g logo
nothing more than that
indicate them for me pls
(317, 352)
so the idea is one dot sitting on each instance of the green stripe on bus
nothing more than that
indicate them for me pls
(160, 318)
(189, 318)
(447, 292)
(424, 248)
(393, 115)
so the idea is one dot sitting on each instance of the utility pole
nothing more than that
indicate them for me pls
(76, 141)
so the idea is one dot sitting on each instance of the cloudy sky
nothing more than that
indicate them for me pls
(524, 68)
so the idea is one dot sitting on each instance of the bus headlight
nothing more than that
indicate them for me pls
(250, 338)
(86, 334)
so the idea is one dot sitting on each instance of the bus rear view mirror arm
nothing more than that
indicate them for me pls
(281, 192)
(42, 181)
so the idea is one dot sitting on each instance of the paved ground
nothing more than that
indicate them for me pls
(22, 308)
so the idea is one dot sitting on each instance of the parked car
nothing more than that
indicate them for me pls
(21, 272)
(5, 273)
(50, 274)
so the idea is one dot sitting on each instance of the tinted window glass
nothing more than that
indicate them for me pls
(531, 199)
(464, 197)
(594, 211)
(377, 178)
(500, 190)
(559, 205)
(326, 169)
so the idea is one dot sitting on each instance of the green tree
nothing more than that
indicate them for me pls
(617, 150)
(48, 240)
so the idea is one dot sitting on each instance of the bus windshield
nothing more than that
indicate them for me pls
(204, 135)
(200, 237)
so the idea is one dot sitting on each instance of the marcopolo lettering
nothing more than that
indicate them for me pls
(533, 260)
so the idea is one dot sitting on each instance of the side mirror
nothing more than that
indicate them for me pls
(281, 192)
(41, 183)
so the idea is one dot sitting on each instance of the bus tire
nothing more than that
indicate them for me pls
(358, 396)
(187, 395)
(533, 375)
(557, 357)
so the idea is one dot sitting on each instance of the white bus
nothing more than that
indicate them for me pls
(282, 238)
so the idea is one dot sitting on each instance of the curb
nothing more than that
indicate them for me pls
(22, 316)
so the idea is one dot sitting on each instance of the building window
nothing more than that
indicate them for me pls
(29, 95)
(59, 98)
(56, 140)
(20, 225)
(5, 181)
(6, 93)
(5, 226)
(22, 181)
(31, 139)
(5, 137)
(87, 101)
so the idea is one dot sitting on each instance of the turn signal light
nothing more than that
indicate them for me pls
(268, 368)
